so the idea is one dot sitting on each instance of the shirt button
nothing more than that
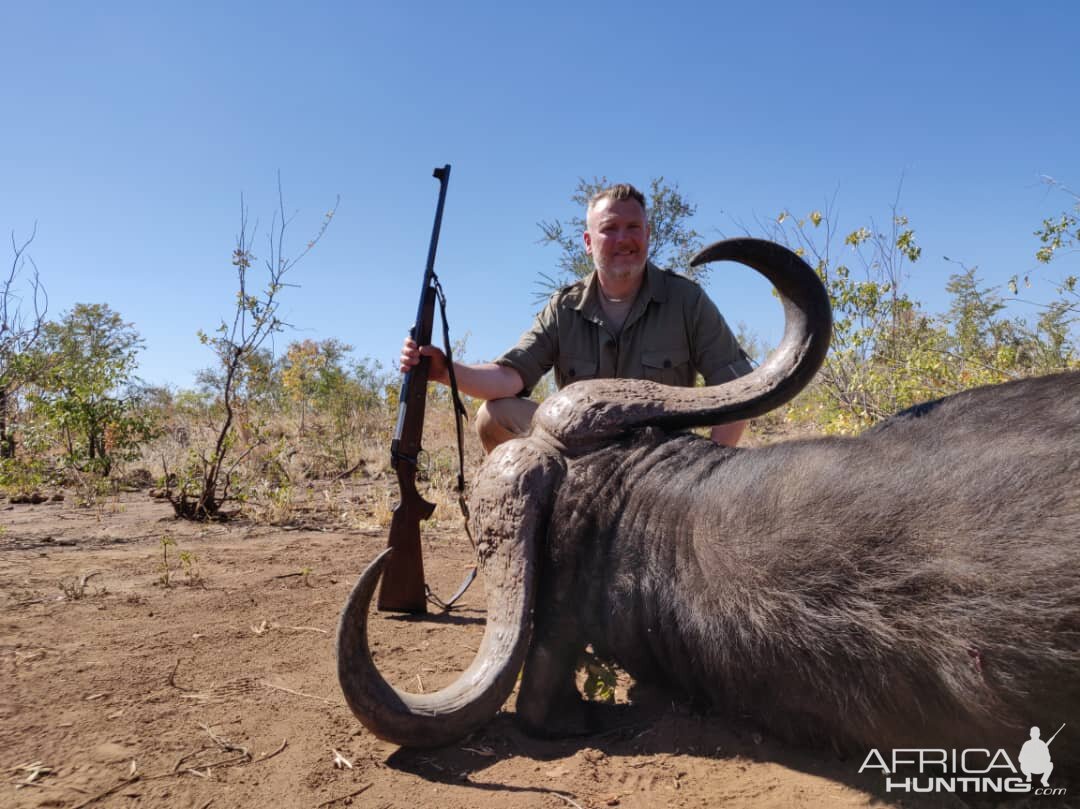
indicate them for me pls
(667, 363)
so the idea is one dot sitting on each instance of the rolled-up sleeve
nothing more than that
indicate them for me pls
(536, 351)
(717, 354)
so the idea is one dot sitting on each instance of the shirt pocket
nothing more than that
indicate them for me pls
(574, 369)
(668, 366)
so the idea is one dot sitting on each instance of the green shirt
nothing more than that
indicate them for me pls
(673, 333)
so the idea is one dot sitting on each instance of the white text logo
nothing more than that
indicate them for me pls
(975, 769)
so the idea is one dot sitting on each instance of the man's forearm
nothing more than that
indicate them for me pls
(488, 380)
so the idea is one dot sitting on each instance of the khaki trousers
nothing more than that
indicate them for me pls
(499, 420)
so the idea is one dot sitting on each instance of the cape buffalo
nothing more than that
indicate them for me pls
(914, 586)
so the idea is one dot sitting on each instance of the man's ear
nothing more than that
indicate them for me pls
(588, 243)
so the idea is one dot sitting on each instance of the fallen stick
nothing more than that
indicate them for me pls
(560, 795)
(225, 761)
(349, 472)
(246, 758)
(224, 743)
(340, 762)
(110, 791)
(364, 788)
(39, 785)
(284, 743)
(180, 761)
(300, 693)
(172, 678)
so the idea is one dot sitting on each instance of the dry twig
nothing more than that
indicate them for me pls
(568, 800)
(299, 693)
(112, 789)
(33, 771)
(86, 577)
(245, 757)
(39, 785)
(340, 762)
(348, 473)
(284, 743)
(224, 743)
(172, 678)
(300, 628)
(353, 794)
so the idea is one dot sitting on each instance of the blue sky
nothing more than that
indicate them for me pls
(130, 131)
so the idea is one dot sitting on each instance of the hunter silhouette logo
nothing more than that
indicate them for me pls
(1035, 756)
(972, 769)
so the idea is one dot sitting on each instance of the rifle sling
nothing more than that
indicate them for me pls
(459, 413)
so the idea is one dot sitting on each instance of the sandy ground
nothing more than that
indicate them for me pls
(219, 690)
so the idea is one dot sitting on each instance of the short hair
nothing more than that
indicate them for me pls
(617, 193)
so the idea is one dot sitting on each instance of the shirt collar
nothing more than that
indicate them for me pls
(655, 288)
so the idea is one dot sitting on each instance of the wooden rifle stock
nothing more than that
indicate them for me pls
(402, 588)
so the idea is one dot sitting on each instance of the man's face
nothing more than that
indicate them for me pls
(617, 238)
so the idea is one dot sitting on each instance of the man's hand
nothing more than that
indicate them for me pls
(484, 381)
(410, 357)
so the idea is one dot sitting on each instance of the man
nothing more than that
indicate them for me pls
(628, 319)
(1035, 758)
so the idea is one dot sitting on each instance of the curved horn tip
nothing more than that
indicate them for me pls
(369, 578)
(720, 250)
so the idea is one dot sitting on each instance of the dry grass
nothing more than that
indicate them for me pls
(280, 475)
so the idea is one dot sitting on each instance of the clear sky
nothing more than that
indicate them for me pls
(129, 131)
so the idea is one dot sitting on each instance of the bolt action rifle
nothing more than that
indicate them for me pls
(403, 588)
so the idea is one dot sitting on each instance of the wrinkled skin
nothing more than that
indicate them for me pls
(913, 586)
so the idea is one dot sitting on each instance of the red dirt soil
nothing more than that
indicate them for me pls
(219, 690)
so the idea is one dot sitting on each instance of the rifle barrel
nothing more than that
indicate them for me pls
(443, 175)
(421, 329)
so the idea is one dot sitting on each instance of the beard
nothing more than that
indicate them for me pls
(622, 268)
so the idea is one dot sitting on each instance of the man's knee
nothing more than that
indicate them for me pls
(499, 420)
(490, 432)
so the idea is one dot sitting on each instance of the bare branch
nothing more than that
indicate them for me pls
(254, 321)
